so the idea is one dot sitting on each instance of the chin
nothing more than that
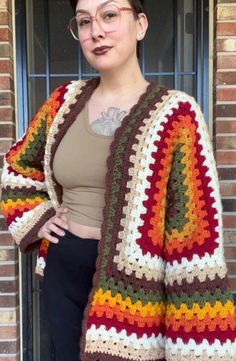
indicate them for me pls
(103, 65)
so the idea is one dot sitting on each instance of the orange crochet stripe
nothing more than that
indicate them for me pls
(137, 318)
(156, 233)
(196, 224)
(200, 324)
(19, 205)
(45, 114)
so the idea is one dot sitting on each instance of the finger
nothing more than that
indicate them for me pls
(50, 238)
(57, 230)
(44, 233)
(61, 210)
(61, 223)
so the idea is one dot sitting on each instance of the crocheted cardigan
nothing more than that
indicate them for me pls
(160, 291)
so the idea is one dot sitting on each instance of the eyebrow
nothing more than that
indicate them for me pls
(100, 6)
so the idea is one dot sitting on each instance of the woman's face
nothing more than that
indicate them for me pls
(110, 50)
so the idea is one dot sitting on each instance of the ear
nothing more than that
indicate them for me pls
(142, 26)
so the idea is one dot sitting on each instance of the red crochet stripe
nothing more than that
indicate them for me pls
(11, 218)
(199, 337)
(119, 326)
(145, 241)
(208, 247)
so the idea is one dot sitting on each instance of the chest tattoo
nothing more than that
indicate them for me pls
(109, 121)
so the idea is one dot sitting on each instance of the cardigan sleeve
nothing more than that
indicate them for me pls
(25, 203)
(199, 321)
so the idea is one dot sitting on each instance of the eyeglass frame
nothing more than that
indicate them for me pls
(93, 18)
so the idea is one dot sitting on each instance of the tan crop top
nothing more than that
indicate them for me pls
(80, 167)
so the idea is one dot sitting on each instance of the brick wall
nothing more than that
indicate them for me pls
(225, 122)
(9, 297)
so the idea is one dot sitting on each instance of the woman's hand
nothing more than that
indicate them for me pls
(55, 225)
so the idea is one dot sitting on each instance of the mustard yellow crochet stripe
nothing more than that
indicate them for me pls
(150, 309)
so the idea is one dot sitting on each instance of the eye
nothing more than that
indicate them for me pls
(109, 15)
(83, 22)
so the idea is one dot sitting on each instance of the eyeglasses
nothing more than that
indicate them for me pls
(107, 17)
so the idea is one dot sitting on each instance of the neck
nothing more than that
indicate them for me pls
(125, 81)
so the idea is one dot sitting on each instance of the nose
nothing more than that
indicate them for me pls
(96, 29)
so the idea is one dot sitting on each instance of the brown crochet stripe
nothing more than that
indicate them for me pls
(111, 270)
(201, 287)
(103, 357)
(75, 109)
(117, 227)
(32, 234)
(24, 190)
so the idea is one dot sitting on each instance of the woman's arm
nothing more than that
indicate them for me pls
(25, 203)
(200, 322)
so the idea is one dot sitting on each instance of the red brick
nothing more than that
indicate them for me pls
(229, 221)
(6, 98)
(226, 94)
(5, 51)
(4, 18)
(6, 83)
(3, 226)
(6, 239)
(228, 45)
(226, 12)
(9, 347)
(223, 158)
(9, 301)
(226, 78)
(6, 115)
(6, 66)
(228, 189)
(232, 284)
(231, 266)
(7, 130)
(226, 29)
(226, 61)
(8, 255)
(9, 286)
(5, 35)
(1, 165)
(12, 358)
(8, 270)
(230, 253)
(226, 126)
(8, 332)
(230, 237)
(225, 110)
(226, 142)
(4, 146)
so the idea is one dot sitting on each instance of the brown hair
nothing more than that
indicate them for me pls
(137, 5)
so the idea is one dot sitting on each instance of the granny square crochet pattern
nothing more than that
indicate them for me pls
(160, 291)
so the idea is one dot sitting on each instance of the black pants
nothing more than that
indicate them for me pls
(66, 284)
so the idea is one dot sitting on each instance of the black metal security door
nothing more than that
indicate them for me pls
(174, 54)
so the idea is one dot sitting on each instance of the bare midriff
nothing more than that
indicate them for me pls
(82, 231)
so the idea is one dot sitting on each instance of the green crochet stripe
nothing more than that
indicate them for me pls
(116, 178)
(176, 211)
(22, 196)
(111, 285)
(199, 299)
(34, 146)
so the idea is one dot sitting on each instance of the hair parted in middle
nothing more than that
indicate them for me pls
(137, 5)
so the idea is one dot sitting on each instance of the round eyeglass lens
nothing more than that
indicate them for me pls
(107, 17)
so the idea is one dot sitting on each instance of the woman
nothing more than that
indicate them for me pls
(152, 226)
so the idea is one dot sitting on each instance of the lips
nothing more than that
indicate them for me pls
(101, 50)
